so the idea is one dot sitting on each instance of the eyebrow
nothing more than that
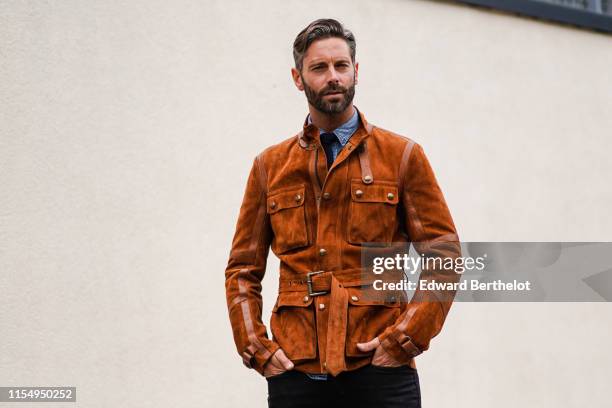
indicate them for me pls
(315, 64)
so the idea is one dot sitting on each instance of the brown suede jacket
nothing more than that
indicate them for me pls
(379, 189)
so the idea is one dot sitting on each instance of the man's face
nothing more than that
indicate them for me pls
(328, 76)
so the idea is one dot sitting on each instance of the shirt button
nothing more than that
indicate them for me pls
(358, 193)
(305, 299)
(326, 196)
(390, 196)
(367, 179)
(298, 197)
(322, 306)
(322, 252)
(354, 298)
(273, 205)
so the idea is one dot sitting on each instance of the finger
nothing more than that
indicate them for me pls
(379, 357)
(370, 345)
(273, 366)
(284, 361)
(274, 361)
(382, 358)
(273, 370)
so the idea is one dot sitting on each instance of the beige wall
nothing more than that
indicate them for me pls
(127, 131)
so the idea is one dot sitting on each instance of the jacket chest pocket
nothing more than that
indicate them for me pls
(366, 319)
(288, 218)
(372, 212)
(293, 325)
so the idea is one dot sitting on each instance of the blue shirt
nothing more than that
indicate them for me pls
(343, 133)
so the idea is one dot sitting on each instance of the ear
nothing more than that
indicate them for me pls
(356, 71)
(297, 79)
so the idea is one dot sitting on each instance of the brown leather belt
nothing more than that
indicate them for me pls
(321, 282)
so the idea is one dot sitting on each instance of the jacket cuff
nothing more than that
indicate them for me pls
(399, 345)
(256, 358)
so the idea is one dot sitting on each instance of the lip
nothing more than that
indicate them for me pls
(334, 94)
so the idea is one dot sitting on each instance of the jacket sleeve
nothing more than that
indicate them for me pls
(245, 270)
(431, 230)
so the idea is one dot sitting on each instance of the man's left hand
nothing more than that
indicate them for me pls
(381, 357)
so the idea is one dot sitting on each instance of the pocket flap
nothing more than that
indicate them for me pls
(377, 192)
(295, 299)
(287, 198)
(357, 298)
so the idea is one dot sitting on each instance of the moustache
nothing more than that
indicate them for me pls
(329, 91)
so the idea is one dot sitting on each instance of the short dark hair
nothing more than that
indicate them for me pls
(319, 29)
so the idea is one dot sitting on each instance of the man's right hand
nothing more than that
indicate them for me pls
(278, 364)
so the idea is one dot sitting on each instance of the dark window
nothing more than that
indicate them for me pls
(596, 14)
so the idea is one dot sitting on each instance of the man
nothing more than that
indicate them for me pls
(317, 199)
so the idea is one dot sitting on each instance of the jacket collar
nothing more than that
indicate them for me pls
(309, 135)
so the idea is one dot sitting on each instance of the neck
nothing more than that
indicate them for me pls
(329, 122)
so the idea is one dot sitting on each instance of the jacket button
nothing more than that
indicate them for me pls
(273, 205)
(298, 197)
(326, 196)
(367, 179)
(358, 193)
(322, 252)
(305, 299)
(322, 306)
(390, 196)
(354, 298)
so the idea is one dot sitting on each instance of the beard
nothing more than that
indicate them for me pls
(342, 102)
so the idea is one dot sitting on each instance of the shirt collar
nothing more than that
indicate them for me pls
(345, 130)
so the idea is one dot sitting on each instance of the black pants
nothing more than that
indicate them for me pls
(369, 386)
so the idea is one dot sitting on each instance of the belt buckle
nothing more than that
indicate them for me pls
(309, 284)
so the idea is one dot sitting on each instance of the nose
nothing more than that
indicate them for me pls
(333, 75)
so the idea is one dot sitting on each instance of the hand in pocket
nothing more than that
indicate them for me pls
(278, 364)
(380, 358)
